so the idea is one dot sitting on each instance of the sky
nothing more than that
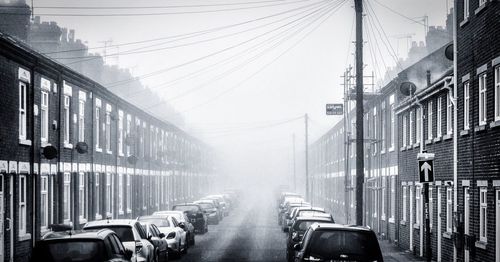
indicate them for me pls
(244, 72)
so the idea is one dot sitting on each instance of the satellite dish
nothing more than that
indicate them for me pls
(132, 159)
(407, 88)
(448, 52)
(49, 152)
(82, 147)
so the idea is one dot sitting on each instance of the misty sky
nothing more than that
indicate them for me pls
(243, 108)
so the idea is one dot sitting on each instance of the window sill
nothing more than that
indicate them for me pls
(391, 220)
(480, 128)
(403, 148)
(480, 9)
(382, 152)
(416, 145)
(447, 235)
(464, 132)
(391, 149)
(416, 226)
(402, 222)
(109, 152)
(382, 218)
(98, 217)
(24, 142)
(121, 154)
(481, 244)
(494, 124)
(44, 144)
(464, 22)
(120, 213)
(109, 215)
(448, 136)
(129, 211)
(24, 237)
(97, 149)
(82, 221)
(437, 139)
(68, 146)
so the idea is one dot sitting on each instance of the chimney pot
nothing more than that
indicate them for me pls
(428, 75)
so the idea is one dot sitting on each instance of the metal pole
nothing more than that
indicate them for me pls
(346, 149)
(360, 177)
(307, 157)
(455, 125)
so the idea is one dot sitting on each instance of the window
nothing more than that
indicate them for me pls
(22, 110)
(439, 117)
(466, 9)
(429, 120)
(497, 93)
(81, 116)
(22, 204)
(482, 99)
(66, 115)
(383, 127)
(152, 142)
(97, 195)
(129, 195)
(449, 210)
(393, 126)
(120, 193)
(120, 132)
(483, 215)
(482, 2)
(466, 105)
(418, 203)
(404, 130)
(82, 195)
(449, 113)
(418, 128)
(44, 116)
(384, 189)
(108, 129)
(109, 195)
(44, 202)
(431, 206)
(411, 127)
(98, 125)
(405, 193)
(129, 123)
(67, 198)
(393, 197)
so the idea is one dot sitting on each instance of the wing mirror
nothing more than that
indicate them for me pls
(161, 235)
(297, 247)
(128, 254)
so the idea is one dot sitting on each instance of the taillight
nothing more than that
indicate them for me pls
(138, 246)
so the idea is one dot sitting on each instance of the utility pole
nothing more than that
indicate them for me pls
(294, 173)
(347, 137)
(306, 118)
(360, 176)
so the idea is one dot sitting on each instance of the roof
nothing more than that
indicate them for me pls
(111, 222)
(332, 226)
(98, 234)
(167, 212)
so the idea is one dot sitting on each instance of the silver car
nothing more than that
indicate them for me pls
(175, 234)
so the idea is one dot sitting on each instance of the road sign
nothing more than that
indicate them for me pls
(426, 170)
(334, 109)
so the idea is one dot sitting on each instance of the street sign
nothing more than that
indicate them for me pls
(334, 109)
(426, 170)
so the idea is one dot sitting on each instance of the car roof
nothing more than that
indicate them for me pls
(167, 212)
(111, 222)
(303, 208)
(185, 204)
(332, 226)
(326, 219)
(161, 216)
(88, 234)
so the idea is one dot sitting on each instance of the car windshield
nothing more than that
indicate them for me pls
(158, 221)
(187, 208)
(206, 205)
(312, 214)
(124, 232)
(304, 225)
(345, 245)
(81, 251)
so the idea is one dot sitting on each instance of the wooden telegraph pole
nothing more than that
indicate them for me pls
(360, 176)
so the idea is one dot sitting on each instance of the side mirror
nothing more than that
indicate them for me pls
(128, 254)
(161, 235)
(297, 247)
(150, 236)
(182, 225)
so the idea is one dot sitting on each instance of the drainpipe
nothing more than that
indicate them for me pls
(455, 125)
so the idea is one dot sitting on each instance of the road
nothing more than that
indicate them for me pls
(251, 233)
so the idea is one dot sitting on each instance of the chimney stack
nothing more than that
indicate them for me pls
(428, 74)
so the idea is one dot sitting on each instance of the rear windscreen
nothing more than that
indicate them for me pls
(159, 222)
(124, 232)
(344, 245)
(80, 251)
(187, 208)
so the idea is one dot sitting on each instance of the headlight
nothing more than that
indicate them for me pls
(171, 235)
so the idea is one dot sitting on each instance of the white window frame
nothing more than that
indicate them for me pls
(23, 110)
(108, 129)
(129, 195)
(97, 194)
(44, 116)
(497, 93)
(98, 125)
(466, 9)
(482, 99)
(449, 209)
(405, 196)
(82, 197)
(466, 105)
(411, 127)
(120, 194)
(439, 124)
(384, 191)
(429, 120)
(23, 215)
(418, 204)
(120, 133)
(67, 197)
(81, 120)
(393, 198)
(405, 138)
(483, 214)
(109, 195)
(482, 2)
(449, 113)
(129, 124)
(67, 119)
(44, 202)
(383, 128)
(418, 121)
(375, 133)
(393, 124)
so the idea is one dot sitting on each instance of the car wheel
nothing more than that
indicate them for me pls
(186, 246)
(193, 241)
(157, 256)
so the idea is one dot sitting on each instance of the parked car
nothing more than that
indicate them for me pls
(158, 240)
(297, 230)
(307, 212)
(288, 209)
(282, 206)
(101, 245)
(210, 210)
(182, 218)
(175, 234)
(196, 216)
(327, 242)
(217, 205)
(131, 234)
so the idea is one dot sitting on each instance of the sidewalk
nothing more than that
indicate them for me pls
(392, 253)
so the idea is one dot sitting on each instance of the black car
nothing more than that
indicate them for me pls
(297, 230)
(85, 246)
(196, 216)
(327, 242)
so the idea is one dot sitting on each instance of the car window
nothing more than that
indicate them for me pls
(345, 245)
(174, 221)
(140, 230)
(113, 247)
(155, 230)
(119, 245)
(186, 208)
(158, 221)
(123, 232)
(84, 250)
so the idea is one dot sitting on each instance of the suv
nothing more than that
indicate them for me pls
(102, 245)
(327, 242)
(131, 234)
(210, 210)
(297, 230)
(196, 216)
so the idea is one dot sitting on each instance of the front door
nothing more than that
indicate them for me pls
(466, 221)
(411, 218)
(439, 224)
(497, 225)
(2, 216)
